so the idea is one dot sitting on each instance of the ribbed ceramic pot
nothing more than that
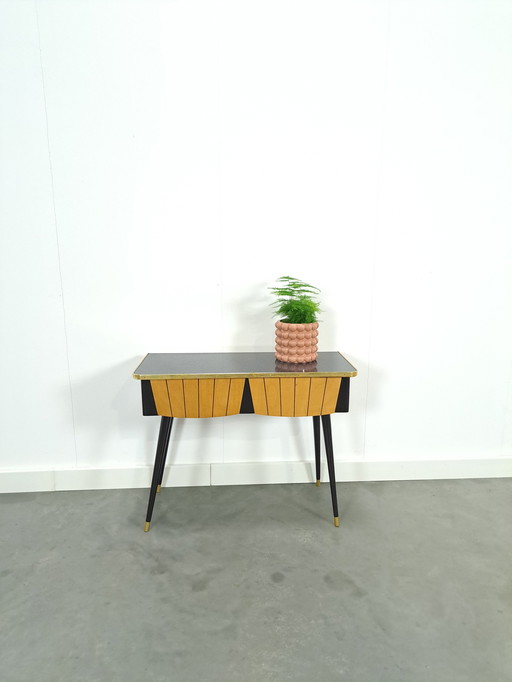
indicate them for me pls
(296, 342)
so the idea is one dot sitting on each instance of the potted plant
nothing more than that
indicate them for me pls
(297, 328)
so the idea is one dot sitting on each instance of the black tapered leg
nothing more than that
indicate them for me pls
(316, 432)
(166, 448)
(326, 424)
(158, 469)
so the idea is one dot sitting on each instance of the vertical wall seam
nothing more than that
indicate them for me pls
(376, 223)
(52, 184)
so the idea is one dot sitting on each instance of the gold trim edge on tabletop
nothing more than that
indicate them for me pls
(244, 375)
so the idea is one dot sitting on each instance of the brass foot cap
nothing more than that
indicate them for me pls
(337, 521)
(318, 484)
(158, 488)
(147, 526)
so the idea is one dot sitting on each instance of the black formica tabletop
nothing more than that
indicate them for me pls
(212, 365)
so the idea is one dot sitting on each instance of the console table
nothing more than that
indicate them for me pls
(207, 385)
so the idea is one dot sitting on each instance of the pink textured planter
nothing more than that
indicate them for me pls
(296, 342)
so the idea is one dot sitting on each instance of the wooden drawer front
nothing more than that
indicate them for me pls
(197, 398)
(295, 397)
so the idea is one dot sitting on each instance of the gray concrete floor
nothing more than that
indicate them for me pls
(254, 583)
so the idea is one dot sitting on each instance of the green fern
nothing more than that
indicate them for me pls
(295, 301)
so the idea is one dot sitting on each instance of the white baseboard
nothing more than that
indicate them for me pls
(100, 479)
(303, 472)
(238, 473)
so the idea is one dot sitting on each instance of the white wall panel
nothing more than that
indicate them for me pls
(35, 404)
(440, 368)
(201, 149)
(134, 140)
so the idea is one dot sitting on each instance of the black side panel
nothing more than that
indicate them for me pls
(246, 406)
(148, 402)
(343, 395)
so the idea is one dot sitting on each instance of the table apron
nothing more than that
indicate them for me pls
(221, 397)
